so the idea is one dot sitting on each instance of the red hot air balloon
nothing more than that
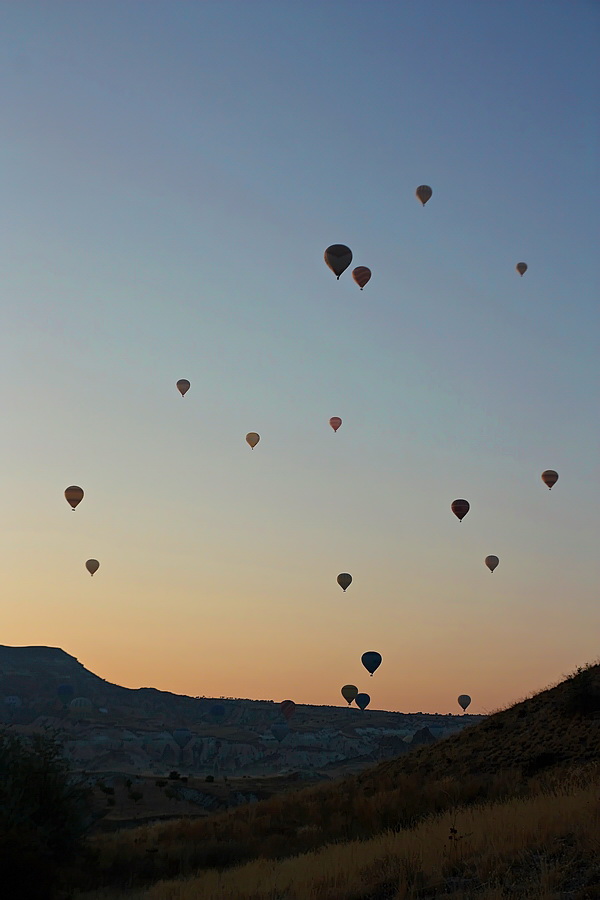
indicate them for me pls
(288, 708)
(335, 422)
(74, 495)
(361, 276)
(549, 477)
(460, 508)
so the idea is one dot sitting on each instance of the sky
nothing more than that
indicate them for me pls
(171, 176)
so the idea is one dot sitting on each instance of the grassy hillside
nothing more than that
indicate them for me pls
(511, 756)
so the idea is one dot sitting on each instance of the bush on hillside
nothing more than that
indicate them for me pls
(43, 814)
(582, 693)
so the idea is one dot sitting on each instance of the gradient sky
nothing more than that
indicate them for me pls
(171, 175)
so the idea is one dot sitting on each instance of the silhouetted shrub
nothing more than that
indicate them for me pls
(136, 796)
(210, 778)
(43, 815)
(174, 776)
(582, 693)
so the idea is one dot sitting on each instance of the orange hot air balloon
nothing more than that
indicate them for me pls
(338, 257)
(424, 193)
(491, 562)
(74, 495)
(344, 580)
(335, 422)
(550, 477)
(92, 565)
(183, 386)
(521, 268)
(460, 508)
(252, 438)
(361, 276)
(288, 708)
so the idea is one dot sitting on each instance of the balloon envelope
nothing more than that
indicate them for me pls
(74, 495)
(280, 731)
(252, 438)
(424, 193)
(344, 580)
(362, 700)
(491, 562)
(92, 565)
(371, 660)
(463, 701)
(181, 736)
(338, 257)
(460, 508)
(549, 477)
(288, 708)
(349, 693)
(183, 386)
(335, 422)
(361, 276)
(217, 710)
(81, 704)
(65, 692)
(521, 268)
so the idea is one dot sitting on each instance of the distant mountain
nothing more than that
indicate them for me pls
(127, 730)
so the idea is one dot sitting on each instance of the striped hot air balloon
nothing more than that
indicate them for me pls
(424, 193)
(460, 508)
(288, 708)
(361, 275)
(74, 495)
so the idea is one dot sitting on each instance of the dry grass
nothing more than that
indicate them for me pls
(534, 847)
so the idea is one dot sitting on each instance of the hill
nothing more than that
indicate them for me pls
(124, 731)
(509, 756)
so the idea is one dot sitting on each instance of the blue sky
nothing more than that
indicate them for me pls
(172, 176)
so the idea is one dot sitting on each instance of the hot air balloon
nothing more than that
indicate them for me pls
(217, 710)
(252, 438)
(460, 508)
(344, 580)
(280, 731)
(362, 700)
(349, 693)
(371, 660)
(424, 193)
(338, 257)
(287, 708)
(92, 565)
(491, 562)
(183, 386)
(65, 692)
(463, 701)
(335, 422)
(182, 736)
(550, 477)
(521, 268)
(74, 495)
(13, 701)
(361, 276)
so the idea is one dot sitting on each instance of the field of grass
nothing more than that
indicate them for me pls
(545, 845)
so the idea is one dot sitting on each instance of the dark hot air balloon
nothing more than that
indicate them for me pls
(550, 477)
(252, 438)
(460, 508)
(288, 708)
(349, 693)
(92, 565)
(74, 495)
(335, 422)
(344, 580)
(371, 660)
(338, 257)
(424, 193)
(491, 562)
(521, 268)
(183, 386)
(361, 276)
(362, 700)
(463, 701)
